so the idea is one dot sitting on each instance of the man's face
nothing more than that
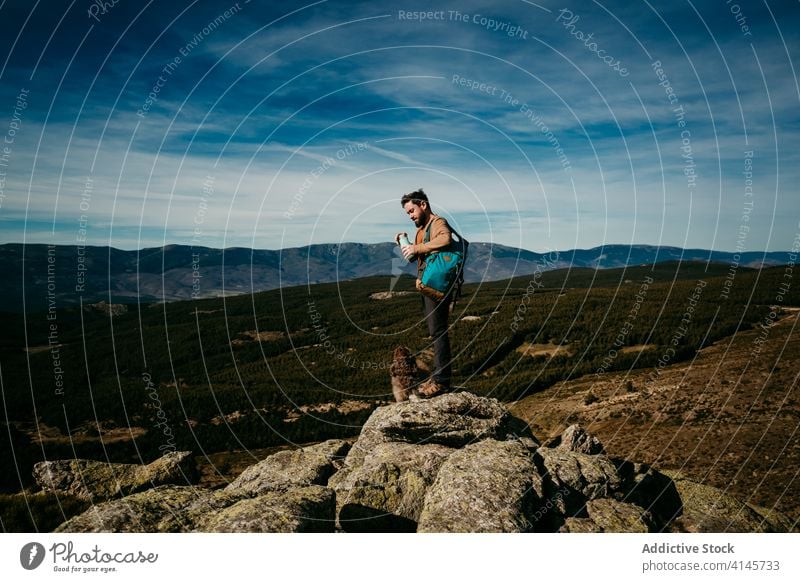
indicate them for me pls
(419, 214)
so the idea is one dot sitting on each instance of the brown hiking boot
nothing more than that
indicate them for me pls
(431, 388)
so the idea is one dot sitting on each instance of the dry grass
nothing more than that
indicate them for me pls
(729, 418)
(258, 336)
(637, 348)
(549, 350)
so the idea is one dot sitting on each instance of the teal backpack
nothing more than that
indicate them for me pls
(444, 270)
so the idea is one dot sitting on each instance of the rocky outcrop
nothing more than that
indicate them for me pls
(610, 515)
(186, 509)
(298, 468)
(454, 463)
(386, 491)
(707, 509)
(576, 439)
(453, 420)
(96, 481)
(489, 486)
(304, 509)
(282, 493)
(652, 490)
(572, 478)
(156, 510)
(400, 450)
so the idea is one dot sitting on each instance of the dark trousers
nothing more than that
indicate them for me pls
(436, 315)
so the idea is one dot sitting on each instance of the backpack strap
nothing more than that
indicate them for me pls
(459, 283)
(427, 236)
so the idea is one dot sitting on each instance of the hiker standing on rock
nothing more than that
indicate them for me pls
(433, 235)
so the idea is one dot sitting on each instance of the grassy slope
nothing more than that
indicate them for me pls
(216, 388)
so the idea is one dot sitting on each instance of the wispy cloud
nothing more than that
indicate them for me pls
(530, 139)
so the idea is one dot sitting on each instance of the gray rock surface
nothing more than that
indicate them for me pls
(276, 495)
(97, 481)
(453, 420)
(311, 465)
(488, 486)
(651, 490)
(707, 509)
(610, 515)
(454, 463)
(385, 476)
(576, 439)
(171, 509)
(572, 478)
(302, 509)
(387, 490)
(156, 510)
(579, 525)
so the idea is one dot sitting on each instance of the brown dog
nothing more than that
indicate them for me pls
(404, 374)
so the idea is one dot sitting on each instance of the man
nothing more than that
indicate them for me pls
(418, 208)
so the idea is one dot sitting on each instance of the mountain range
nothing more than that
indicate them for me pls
(70, 274)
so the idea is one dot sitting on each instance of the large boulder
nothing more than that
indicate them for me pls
(576, 439)
(386, 491)
(488, 486)
(397, 456)
(453, 420)
(302, 509)
(97, 481)
(610, 515)
(158, 510)
(282, 493)
(311, 465)
(707, 509)
(652, 490)
(454, 463)
(573, 478)
(170, 509)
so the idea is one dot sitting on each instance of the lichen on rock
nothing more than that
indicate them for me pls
(454, 463)
(98, 481)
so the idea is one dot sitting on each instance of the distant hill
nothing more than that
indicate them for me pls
(179, 272)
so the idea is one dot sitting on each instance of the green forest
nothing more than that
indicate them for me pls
(196, 375)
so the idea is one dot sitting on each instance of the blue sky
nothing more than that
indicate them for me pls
(542, 125)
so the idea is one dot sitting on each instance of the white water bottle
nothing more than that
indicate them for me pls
(404, 242)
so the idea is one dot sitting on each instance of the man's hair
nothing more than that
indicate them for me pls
(415, 197)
